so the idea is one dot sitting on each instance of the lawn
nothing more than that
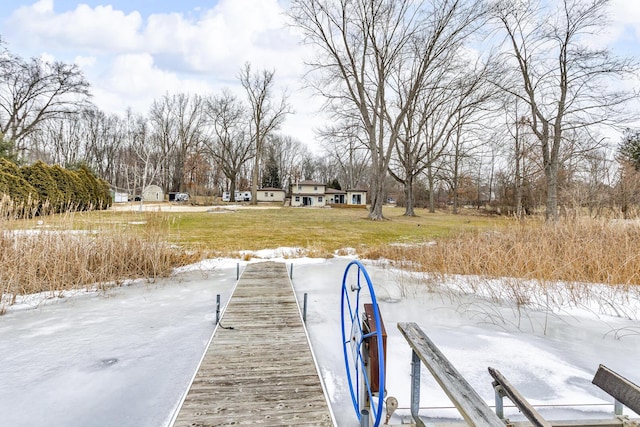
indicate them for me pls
(318, 230)
(321, 231)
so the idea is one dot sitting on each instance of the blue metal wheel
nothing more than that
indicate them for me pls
(360, 339)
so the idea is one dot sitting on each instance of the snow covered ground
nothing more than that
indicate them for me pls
(124, 357)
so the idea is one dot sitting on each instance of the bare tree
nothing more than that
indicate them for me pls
(462, 144)
(229, 143)
(366, 47)
(564, 82)
(177, 125)
(33, 92)
(190, 127)
(62, 140)
(146, 156)
(451, 98)
(267, 114)
(288, 153)
(163, 133)
(344, 142)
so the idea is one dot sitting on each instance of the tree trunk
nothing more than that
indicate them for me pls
(254, 180)
(232, 189)
(408, 194)
(518, 179)
(377, 184)
(432, 199)
(551, 174)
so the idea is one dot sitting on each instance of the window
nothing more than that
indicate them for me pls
(271, 194)
(266, 194)
(297, 198)
(315, 188)
(320, 199)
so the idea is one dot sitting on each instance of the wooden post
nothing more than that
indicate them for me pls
(304, 308)
(470, 405)
(217, 309)
(525, 407)
(619, 387)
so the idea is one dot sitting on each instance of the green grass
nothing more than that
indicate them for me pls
(320, 230)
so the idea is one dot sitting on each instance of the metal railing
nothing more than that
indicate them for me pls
(470, 405)
(476, 412)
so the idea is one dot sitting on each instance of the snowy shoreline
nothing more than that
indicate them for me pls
(123, 356)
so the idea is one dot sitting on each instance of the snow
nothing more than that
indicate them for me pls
(124, 356)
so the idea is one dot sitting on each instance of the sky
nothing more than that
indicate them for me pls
(125, 356)
(133, 51)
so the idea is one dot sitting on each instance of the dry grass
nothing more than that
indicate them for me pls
(577, 251)
(88, 249)
(35, 257)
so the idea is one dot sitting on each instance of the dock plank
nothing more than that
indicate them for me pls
(262, 371)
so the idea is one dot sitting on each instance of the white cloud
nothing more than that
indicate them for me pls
(133, 80)
(626, 12)
(220, 39)
(47, 57)
(85, 62)
(624, 28)
(95, 29)
(131, 60)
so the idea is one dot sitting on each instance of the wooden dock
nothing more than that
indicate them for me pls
(262, 371)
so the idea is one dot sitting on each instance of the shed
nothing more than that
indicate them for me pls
(270, 194)
(153, 193)
(119, 196)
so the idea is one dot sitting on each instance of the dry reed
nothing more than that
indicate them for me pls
(581, 251)
(41, 259)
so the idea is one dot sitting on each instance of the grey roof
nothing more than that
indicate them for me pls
(334, 191)
(307, 182)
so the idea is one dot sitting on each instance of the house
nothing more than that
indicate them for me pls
(308, 193)
(357, 196)
(270, 194)
(152, 193)
(336, 197)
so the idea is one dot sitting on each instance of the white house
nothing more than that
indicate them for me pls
(269, 194)
(336, 197)
(357, 196)
(153, 193)
(308, 193)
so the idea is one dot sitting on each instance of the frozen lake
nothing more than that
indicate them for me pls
(124, 357)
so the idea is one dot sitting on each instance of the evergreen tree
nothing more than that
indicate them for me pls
(73, 194)
(6, 149)
(17, 188)
(8, 166)
(629, 149)
(39, 176)
(271, 175)
(335, 184)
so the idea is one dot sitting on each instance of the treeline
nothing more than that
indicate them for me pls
(426, 109)
(39, 189)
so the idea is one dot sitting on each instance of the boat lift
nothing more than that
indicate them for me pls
(364, 346)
